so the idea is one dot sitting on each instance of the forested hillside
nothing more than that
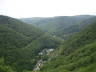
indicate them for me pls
(59, 44)
(61, 26)
(78, 54)
(15, 39)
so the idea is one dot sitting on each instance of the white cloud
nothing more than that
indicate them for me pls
(46, 8)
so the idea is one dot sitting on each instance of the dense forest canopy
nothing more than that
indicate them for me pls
(56, 44)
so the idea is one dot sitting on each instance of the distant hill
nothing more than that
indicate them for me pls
(71, 30)
(77, 54)
(15, 39)
(61, 26)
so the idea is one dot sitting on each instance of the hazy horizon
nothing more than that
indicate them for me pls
(46, 8)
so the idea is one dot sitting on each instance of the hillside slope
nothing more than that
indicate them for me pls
(15, 39)
(78, 54)
(65, 33)
(61, 26)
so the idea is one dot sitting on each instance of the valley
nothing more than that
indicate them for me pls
(52, 44)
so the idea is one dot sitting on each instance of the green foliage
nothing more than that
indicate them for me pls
(78, 54)
(62, 26)
(20, 44)
(89, 68)
(86, 36)
(3, 67)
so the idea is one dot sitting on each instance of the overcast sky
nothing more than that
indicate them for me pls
(46, 8)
